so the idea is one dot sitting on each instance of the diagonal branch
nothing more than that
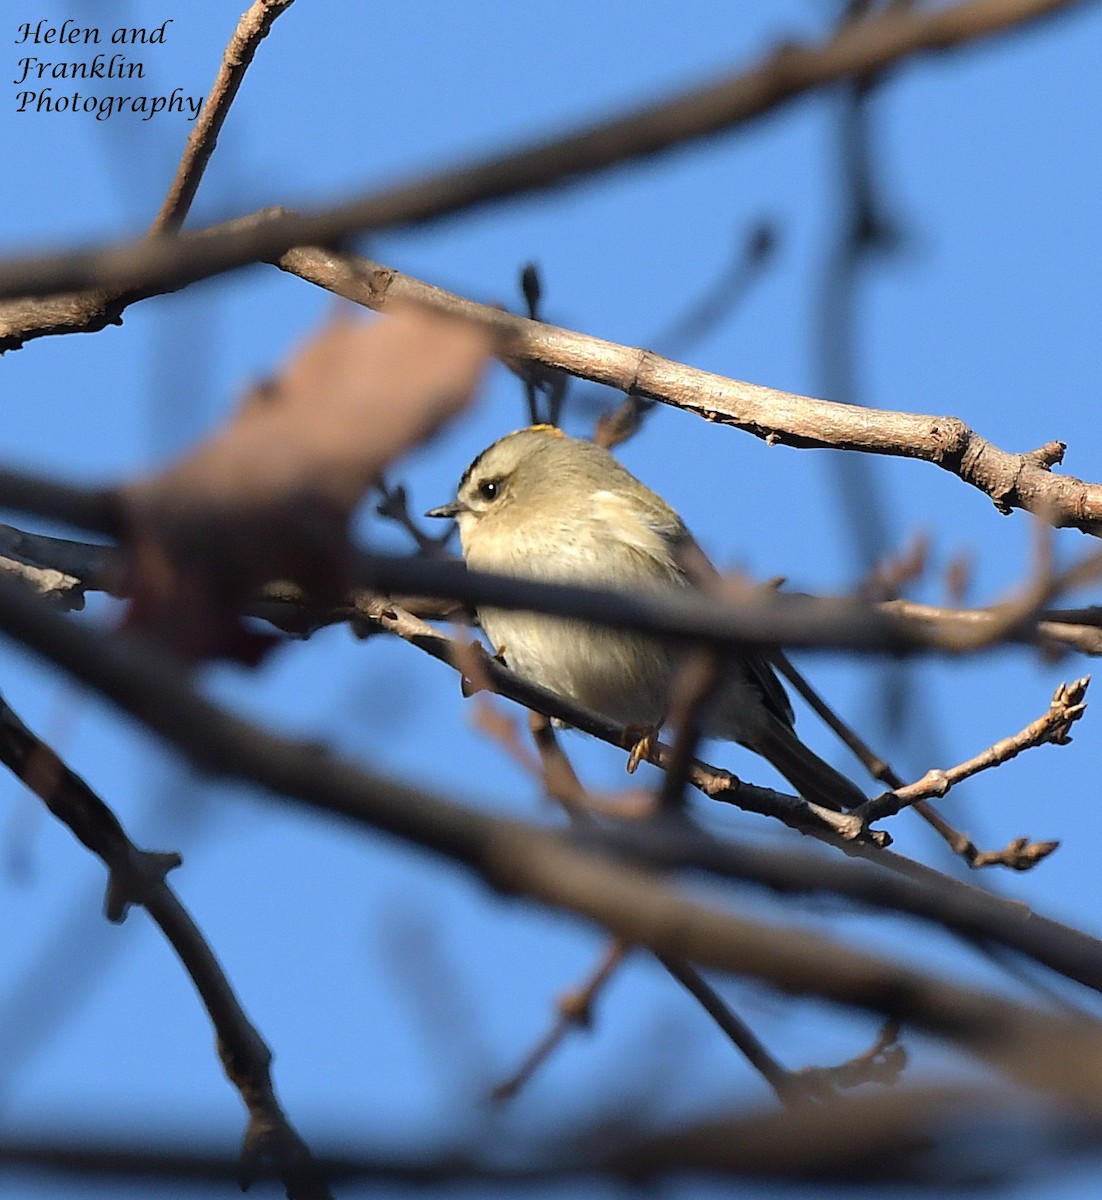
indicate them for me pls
(714, 782)
(251, 30)
(895, 33)
(1009, 480)
(574, 1010)
(519, 859)
(788, 1086)
(1066, 707)
(138, 877)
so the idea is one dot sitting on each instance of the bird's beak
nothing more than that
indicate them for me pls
(449, 511)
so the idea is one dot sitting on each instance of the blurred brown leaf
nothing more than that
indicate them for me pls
(269, 495)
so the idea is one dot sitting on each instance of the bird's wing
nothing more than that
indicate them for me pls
(765, 678)
(652, 531)
(698, 570)
(655, 531)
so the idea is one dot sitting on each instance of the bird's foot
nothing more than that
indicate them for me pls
(645, 737)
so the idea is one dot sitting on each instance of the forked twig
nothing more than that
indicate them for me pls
(1065, 708)
(394, 506)
(1019, 854)
(883, 1062)
(138, 877)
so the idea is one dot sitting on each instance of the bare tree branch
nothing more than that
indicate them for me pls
(1010, 480)
(251, 30)
(98, 567)
(1066, 707)
(138, 877)
(895, 33)
(545, 866)
(939, 1137)
(574, 1010)
(1077, 629)
(765, 619)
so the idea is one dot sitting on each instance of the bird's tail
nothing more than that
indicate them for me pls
(813, 778)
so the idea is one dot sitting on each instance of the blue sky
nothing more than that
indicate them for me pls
(987, 309)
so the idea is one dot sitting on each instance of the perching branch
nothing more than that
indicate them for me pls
(546, 866)
(713, 782)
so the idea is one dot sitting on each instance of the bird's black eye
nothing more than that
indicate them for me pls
(488, 489)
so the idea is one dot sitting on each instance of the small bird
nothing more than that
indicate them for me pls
(540, 505)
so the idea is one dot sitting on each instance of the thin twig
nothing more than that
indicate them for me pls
(1020, 854)
(251, 30)
(138, 877)
(574, 1010)
(563, 784)
(1066, 707)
